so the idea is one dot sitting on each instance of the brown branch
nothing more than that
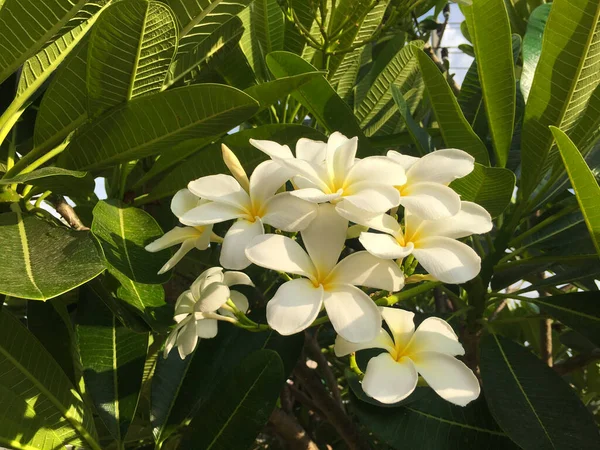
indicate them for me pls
(67, 212)
(499, 308)
(291, 431)
(576, 362)
(314, 351)
(303, 398)
(546, 341)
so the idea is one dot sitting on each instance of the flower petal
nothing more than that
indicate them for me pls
(295, 306)
(431, 201)
(314, 173)
(435, 335)
(442, 166)
(376, 169)
(388, 380)
(185, 248)
(342, 347)
(380, 222)
(235, 167)
(209, 276)
(266, 179)
(239, 300)
(235, 242)
(206, 328)
(312, 151)
(212, 297)
(185, 304)
(324, 238)
(203, 241)
(371, 197)
(405, 161)
(233, 278)
(447, 260)
(280, 253)
(183, 201)
(176, 236)
(364, 269)
(273, 149)
(209, 213)
(288, 212)
(471, 219)
(353, 314)
(448, 377)
(341, 153)
(187, 339)
(220, 188)
(314, 195)
(384, 246)
(401, 323)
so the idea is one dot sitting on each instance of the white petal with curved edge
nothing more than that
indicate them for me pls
(280, 253)
(364, 269)
(371, 197)
(212, 297)
(384, 246)
(210, 213)
(353, 313)
(220, 188)
(312, 151)
(233, 278)
(442, 166)
(235, 167)
(187, 339)
(401, 324)
(203, 241)
(289, 213)
(206, 328)
(185, 304)
(272, 149)
(239, 300)
(342, 347)
(294, 307)
(341, 158)
(185, 248)
(314, 173)
(235, 242)
(430, 201)
(435, 335)
(176, 236)
(471, 219)
(447, 260)
(170, 342)
(314, 195)
(324, 238)
(266, 179)
(376, 169)
(183, 201)
(448, 377)
(209, 276)
(405, 161)
(379, 222)
(389, 381)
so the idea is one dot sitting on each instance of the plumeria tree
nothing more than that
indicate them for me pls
(282, 224)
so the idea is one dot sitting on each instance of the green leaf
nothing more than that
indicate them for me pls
(489, 29)
(41, 409)
(130, 51)
(532, 45)
(562, 85)
(531, 402)
(455, 427)
(268, 93)
(209, 160)
(26, 27)
(113, 362)
(240, 406)
(587, 130)
(42, 260)
(54, 179)
(150, 125)
(123, 232)
(584, 183)
(419, 136)
(456, 131)
(294, 42)
(317, 95)
(490, 187)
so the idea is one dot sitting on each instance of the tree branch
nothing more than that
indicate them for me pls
(314, 351)
(576, 362)
(291, 431)
(67, 212)
(546, 341)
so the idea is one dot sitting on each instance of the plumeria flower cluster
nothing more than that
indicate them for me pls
(301, 233)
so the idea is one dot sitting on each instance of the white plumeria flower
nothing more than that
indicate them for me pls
(366, 184)
(433, 242)
(198, 309)
(430, 351)
(297, 302)
(253, 206)
(426, 192)
(189, 237)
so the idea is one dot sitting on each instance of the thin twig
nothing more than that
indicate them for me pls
(314, 351)
(576, 362)
(546, 340)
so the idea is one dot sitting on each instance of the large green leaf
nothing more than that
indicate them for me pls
(54, 179)
(317, 95)
(209, 160)
(294, 42)
(150, 125)
(130, 50)
(26, 27)
(490, 187)
(41, 409)
(123, 232)
(565, 77)
(268, 93)
(489, 29)
(113, 364)
(42, 260)
(584, 183)
(419, 136)
(456, 131)
(531, 402)
(240, 406)
(585, 134)
(455, 427)
(532, 45)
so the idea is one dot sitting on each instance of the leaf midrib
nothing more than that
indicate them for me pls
(136, 61)
(457, 424)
